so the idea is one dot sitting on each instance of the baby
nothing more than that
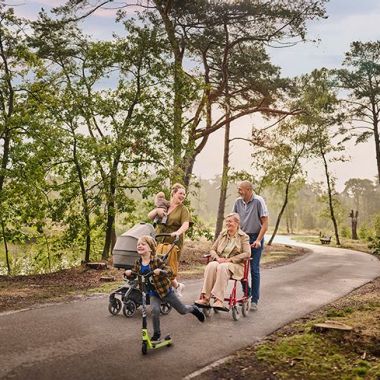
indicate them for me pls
(163, 205)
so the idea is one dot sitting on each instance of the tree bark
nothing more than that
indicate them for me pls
(287, 188)
(377, 147)
(354, 224)
(331, 206)
(86, 209)
(5, 247)
(111, 210)
(224, 179)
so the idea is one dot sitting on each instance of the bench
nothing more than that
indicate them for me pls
(325, 239)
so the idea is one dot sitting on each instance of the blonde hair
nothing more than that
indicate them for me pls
(176, 187)
(234, 215)
(150, 241)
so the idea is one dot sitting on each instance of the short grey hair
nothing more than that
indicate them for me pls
(234, 215)
(248, 185)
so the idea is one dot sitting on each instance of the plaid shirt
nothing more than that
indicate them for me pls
(161, 282)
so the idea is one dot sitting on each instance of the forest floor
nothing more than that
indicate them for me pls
(19, 292)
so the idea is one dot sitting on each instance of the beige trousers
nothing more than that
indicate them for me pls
(216, 279)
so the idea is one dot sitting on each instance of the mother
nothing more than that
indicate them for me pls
(227, 254)
(178, 222)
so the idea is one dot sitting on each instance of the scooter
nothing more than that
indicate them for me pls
(147, 344)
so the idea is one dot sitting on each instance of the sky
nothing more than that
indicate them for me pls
(348, 20)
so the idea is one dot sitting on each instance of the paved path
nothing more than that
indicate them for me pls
(81, 340)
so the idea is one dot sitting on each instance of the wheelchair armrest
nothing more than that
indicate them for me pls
(207, 255)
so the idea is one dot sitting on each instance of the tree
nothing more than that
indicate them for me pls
(196, 32)
(281, 161)
(360, 76)
(319, 103)
(22, 146)
(112, 132)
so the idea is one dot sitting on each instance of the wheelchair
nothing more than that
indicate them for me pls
(235, 303)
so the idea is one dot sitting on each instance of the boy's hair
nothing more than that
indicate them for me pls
(151, 242)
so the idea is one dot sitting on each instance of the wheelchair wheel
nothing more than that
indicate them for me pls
(235, 313)
(165, 308)
(245, 308)
(207, 312)
(114, 306)
(129, 308)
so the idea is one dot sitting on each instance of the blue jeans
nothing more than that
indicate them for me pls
(255, 268)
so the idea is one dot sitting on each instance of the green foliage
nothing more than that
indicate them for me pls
(345, 231)
(365, 232)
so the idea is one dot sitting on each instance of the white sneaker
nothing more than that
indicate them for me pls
(253, 306)
(179, 289)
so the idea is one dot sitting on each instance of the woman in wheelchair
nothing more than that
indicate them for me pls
(226, 261)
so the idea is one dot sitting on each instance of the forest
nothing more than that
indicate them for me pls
(91, 129)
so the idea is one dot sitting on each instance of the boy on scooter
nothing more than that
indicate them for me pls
(160, 285)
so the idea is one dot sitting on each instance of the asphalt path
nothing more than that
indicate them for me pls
(81, 340)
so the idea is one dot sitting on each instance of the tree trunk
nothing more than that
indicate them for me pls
(5, 247)
(86, 209)
(224, 179)
(282, 210)
(377, 146)
(331, 206)
(354, 224)
(287, 188)
(111, 209)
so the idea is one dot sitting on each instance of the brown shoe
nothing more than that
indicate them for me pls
(219, 305)
(203, 302)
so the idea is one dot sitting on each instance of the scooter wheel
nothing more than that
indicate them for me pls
(144, 348)
(114, 306)
(165, 308)
(129, 308)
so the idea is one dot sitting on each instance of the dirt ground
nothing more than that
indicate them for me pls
(21, 292)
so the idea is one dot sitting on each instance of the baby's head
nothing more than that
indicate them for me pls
(146, 244)
(160, 195)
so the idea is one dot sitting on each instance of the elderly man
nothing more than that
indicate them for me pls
(253, 214)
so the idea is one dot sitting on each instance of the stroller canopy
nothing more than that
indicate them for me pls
(124, 252)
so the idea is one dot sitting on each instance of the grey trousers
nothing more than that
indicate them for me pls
(171, 298)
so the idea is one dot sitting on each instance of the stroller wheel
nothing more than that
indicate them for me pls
(129, 308)
(165, 308)
(114, 306)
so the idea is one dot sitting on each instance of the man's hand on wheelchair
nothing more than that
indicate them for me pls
(256, 244)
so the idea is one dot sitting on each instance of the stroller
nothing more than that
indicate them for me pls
(128, 297)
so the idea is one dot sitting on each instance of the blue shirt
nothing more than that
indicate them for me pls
(250, 213)
(146, 269)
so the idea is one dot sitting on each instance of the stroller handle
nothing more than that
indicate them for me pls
(150, 273)
(176, 240)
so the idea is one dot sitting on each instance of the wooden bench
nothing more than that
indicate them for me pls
(325, 239)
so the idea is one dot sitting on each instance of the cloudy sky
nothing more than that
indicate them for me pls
(348, 20)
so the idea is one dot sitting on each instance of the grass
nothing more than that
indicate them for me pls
(357, 245)
(298, 352)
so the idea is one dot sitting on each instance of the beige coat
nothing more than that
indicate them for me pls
(241, 251)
